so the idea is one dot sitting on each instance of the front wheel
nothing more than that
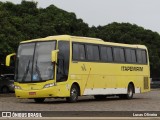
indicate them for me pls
(39, 100)
(74, 92)
(5, 90)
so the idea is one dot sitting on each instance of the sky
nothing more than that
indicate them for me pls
(143, 13)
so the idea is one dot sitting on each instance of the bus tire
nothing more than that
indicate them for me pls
(100, 97)
(39, 100)
(74, 93)
(130, 92)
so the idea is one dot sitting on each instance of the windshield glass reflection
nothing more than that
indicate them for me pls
(34, 62)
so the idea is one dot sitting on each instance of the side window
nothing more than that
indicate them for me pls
(118, 54)
(106, 53)
(92, 52)
(78, 51)
(63, 61)
(103, 51)
(144, 56)
(89, 51)
(96, 53)
(133, 55)
(139, 56)
(75, 51)
(128, 55)
(122, 57)
(109, 54)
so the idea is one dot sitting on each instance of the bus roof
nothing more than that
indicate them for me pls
(83, 39)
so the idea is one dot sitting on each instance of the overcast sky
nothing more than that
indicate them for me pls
(145, 13)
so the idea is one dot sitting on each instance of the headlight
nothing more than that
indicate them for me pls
(17, 87)
(49, 85)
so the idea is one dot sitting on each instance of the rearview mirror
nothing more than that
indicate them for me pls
(54, 55)
(10, 59)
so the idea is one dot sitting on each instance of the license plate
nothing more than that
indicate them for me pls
(32, 93)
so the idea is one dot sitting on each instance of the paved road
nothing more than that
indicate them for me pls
(141, 102)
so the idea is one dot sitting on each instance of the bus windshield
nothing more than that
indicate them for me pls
(34, 62)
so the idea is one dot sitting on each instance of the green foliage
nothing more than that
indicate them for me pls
(25, 21)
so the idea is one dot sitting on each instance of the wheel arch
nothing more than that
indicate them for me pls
(78, 86)
(131, 83)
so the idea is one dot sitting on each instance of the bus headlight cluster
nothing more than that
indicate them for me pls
(17, 87)
(49, 85)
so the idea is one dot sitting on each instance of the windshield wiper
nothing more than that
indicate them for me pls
(37, 70)
(26, 72)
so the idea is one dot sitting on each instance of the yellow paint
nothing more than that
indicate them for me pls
(96, 75)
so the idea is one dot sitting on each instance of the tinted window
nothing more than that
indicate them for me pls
(103, 53)
(92, 52)
(130, 55)
(133, 55)
(106, 53)
(118, 54)
(144, 56)
(109, 54)
(122, 58)
(75, 51)
(78, 52)
(89, 51)
(63, 61)
(96, 52)
(139, 56)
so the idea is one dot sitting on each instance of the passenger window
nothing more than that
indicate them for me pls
(109, 54)
(78, 52)
(122, 58)
(96, 53)
(116, 54)
(119, 55)
(103, 53)
(144, 56)
(82, 52)
(106, 54)
(128, 55)
(92, 52)
(139, 56)
(75, 52)
(133, 55)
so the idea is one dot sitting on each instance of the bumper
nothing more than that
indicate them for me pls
(42, 93)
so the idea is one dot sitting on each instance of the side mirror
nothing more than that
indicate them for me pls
(54, 55)
(10, 58)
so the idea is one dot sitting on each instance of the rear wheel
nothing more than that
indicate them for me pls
(129, 94)
(74, 93)
(39, 100)
(5, 90)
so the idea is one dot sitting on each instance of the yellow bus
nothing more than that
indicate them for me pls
(67, 66)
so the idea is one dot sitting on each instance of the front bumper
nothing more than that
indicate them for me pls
(42, 93)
